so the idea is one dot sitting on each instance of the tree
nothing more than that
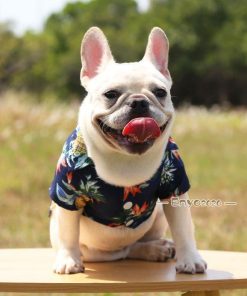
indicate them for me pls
(208, 47)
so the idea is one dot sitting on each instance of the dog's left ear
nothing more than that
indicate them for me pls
(157, 51)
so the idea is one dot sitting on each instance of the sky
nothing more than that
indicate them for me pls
(31, 14)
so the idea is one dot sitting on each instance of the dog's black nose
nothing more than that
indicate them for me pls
(139, 105)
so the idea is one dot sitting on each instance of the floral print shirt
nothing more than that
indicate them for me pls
(76, 185)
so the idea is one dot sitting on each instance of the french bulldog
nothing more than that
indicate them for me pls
(120, 163)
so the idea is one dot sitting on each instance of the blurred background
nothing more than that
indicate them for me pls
(208, 40)
(40, 94)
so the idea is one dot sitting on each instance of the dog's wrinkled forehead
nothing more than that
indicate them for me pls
(129, 77)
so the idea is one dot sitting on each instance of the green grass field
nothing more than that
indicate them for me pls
(213, 145)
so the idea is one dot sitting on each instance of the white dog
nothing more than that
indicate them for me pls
(118, 162)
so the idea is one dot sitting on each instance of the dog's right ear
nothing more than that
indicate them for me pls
(95, 54)
(157, 51)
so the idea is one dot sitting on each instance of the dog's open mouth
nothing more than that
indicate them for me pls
(137, 136)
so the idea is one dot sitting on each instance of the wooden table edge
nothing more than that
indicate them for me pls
(169, 286)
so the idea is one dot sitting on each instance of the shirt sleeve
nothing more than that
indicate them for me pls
(173, 179)
(62, 190)
(65, 189)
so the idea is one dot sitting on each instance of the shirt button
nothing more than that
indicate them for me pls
(128, 205)
(129, 222)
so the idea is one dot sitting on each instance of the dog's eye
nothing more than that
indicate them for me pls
(160, 93)
(112, 94)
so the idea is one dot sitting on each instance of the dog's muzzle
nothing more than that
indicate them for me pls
(137, 136)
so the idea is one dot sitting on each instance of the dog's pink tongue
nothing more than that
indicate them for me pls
(141, 129)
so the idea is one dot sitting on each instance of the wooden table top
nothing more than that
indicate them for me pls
(30, 270)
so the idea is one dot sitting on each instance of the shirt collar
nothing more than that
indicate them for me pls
(75, 151)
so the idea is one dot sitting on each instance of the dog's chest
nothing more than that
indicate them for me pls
(115, 206)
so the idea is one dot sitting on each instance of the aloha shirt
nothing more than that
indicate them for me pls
(76, 185)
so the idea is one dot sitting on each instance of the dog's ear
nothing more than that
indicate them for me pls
(95, 54)
(157, 51)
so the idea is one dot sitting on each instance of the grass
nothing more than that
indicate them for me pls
(212, 144)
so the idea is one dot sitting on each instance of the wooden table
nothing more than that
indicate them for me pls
(30, 270)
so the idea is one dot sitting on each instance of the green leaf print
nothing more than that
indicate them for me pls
(91, 189)
(167, 174)
(64, 197)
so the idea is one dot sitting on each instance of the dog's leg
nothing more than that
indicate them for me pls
(182, 229)
(64, 234)
(156, 250)
(158, 228)
(152, 246)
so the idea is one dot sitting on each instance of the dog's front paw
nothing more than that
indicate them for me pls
(190, 262)
(68, 261)
(159, 250)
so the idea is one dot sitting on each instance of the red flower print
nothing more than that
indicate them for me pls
(137, 211)
(114, 224)
(176, 154)
(69, 177)
(61, 162)
(131, 190)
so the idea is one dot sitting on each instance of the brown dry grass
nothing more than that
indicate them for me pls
(213, 145)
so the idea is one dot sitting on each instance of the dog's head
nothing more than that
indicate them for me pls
(128, 105)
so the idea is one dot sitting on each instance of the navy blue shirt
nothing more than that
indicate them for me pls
(76, 185)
